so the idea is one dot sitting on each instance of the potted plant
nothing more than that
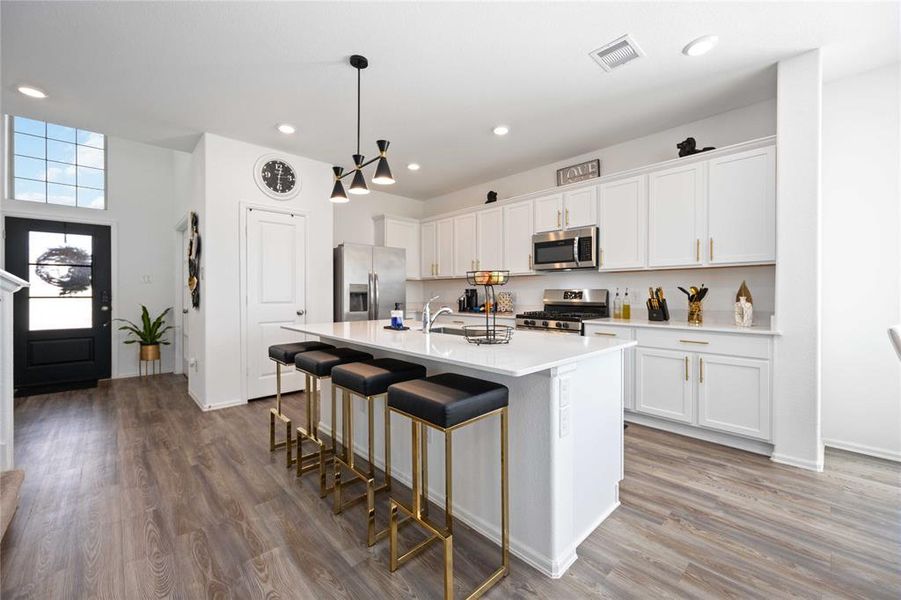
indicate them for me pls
(149, 334)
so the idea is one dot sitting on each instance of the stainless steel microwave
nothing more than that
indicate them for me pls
(565, 250)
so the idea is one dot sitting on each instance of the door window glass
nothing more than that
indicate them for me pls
(60, 274)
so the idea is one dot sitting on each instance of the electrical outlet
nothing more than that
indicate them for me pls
(146, 279)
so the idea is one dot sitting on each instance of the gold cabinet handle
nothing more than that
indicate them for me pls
(530, 261)
(698, 250)
(567, 217)
(701, 366)
(478, 264)
(686, 368)
(459, 322)
(694, 342)
(600, 257)
(711, 249)
(605, 333)
(558, 218)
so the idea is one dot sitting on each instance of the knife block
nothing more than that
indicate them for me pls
(658, 314)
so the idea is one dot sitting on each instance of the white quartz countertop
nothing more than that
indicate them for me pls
(528, 351)
(714, 322)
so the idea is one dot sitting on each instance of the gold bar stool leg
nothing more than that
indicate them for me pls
(448, 481)
(277, 414)
(316, 459)
(424, 440)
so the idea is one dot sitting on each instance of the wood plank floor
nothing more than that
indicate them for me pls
(132, 492)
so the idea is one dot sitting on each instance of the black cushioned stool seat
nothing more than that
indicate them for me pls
(320, 362)
(372, 377)
(285, 353)
(448, 399)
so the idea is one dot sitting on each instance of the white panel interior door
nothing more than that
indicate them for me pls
(491, 236)
(624, 224)
(186, 304)
(518, 230)
(276, 295)
(741, 207)
(676, 211)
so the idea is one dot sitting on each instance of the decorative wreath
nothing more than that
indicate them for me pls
(63, 267)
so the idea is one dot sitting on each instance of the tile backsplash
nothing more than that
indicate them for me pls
(527, 290)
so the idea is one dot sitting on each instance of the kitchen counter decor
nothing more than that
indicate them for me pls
(695, 309)
(490, 332)
(744, 307)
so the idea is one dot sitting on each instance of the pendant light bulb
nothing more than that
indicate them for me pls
(338, 195)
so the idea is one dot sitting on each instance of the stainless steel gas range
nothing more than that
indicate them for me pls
(564, 310)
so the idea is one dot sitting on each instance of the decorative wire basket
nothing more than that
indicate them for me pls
(490, 332)
(493, 334)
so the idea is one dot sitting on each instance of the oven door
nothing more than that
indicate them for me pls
(554, 250)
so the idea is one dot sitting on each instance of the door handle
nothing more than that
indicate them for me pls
(701, 366)
(375, 288)
(698, 250)
(301, 312)
(567, 217)
(558, 218)
(184, 311)
(711, 249)
(686, 368)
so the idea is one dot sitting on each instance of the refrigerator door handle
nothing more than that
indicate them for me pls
(375, 282)
(370, 298)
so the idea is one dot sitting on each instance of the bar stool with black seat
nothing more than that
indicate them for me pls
(316, 366)
(283, 355)
(447, 402)
(370, 380)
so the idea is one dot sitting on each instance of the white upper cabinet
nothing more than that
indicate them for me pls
(741, 208)
(580, 208)
(465, 250)
(623, 220)
(395, 232)
(444, 248)
(427, 255)
(518, 230)
(734, 395)
(490, 234)
(676, 211)
(548, 213)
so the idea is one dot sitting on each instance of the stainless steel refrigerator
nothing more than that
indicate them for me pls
(369, 280)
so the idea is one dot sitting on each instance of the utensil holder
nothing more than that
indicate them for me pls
(661, 313)
(695, 313)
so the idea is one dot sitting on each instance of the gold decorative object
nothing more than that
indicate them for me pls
(695, 313)
(744, 306)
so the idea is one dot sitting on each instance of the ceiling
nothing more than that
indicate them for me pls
(441, 75)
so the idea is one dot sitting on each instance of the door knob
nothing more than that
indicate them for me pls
(301, 312)
(184, 311)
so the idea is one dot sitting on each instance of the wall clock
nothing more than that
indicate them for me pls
(276, 177)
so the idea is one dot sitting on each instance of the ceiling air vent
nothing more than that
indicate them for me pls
(617, 53)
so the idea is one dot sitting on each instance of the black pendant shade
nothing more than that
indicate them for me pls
(382, 175)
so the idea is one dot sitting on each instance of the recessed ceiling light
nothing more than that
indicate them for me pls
(413, 166)
(31, 92)
(286, 128)
(501, 130)
(702, 45)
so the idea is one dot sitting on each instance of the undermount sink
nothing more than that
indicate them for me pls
(448, 330)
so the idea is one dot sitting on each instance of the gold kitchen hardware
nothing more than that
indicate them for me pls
(567, 217)
(368, 380)
(558, 218)
(711, 249)
(283, 355)
(600, 257)
(411, 400)
(478, 264)
(686, 368)
(693, 342)
(459, 322)
(701, 369)
(605, 333)
(530, 261)
(698, 250)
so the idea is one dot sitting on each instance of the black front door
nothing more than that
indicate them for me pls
(61, 336)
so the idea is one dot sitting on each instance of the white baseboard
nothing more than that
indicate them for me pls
(793, 461)
(864, 449)
(209, 407)
(716, 437)
(548, 567)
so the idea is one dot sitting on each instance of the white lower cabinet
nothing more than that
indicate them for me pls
(734, 395)
(622, 333)
(664, 386)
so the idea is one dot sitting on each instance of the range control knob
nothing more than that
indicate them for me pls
(544, 323)
(564, 325)
(558, 324)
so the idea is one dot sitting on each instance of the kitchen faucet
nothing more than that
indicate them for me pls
(427, 318)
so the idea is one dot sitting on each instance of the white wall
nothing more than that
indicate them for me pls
(796, 370)
(862, 260)
(739, 125)
(353, 220)
(140, 198)
(227, 183)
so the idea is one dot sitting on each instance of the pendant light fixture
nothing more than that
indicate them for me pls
(382, 170)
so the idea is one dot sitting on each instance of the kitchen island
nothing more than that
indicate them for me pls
(565, 437)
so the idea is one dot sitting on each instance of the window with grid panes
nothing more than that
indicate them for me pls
(55, 164)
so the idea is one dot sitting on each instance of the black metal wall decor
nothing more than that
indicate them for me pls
(492, 197)
(690, 146)
(65, 267)
(382, 175)
(194, 261)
